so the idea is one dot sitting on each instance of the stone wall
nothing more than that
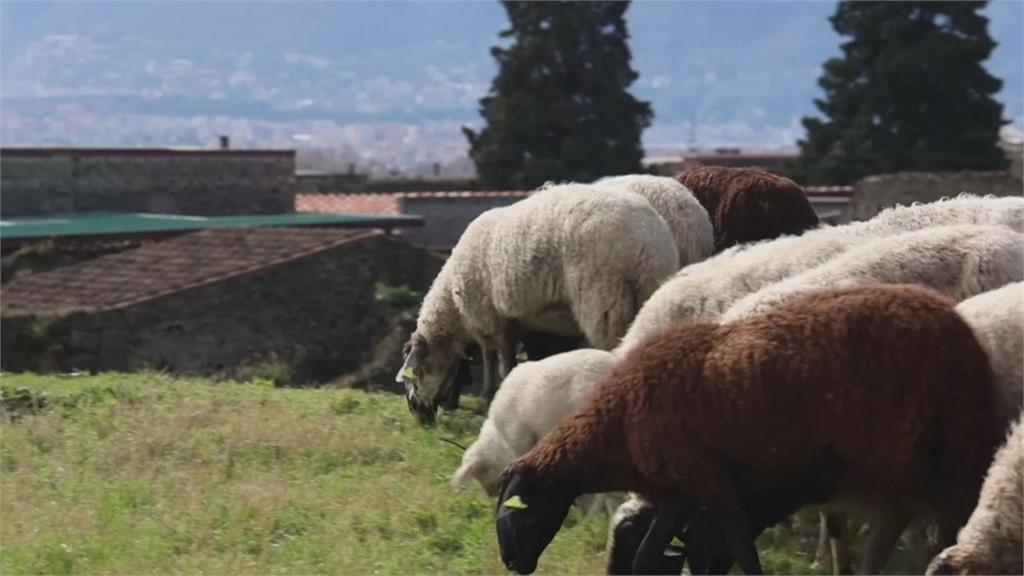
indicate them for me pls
(328, 183)
(874, 193)
(445, 218)
(314, 317)
(206, 182)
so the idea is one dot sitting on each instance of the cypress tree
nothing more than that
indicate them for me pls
(909, 93)
(559, 108)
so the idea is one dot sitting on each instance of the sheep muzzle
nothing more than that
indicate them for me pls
(424, 412)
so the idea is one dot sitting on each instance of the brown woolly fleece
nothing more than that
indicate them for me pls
(878, 391)
(749, 204)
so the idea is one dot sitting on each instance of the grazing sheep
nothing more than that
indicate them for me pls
(689, 221)
(890, 362)
(997, 318)
(704, 291)
(992, 542)
(958, 261)
(527, 407)
(749, 204)
(571, 259)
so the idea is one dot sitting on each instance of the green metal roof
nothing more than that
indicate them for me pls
(107, 225)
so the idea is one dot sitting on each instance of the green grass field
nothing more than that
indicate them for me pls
(145, 473)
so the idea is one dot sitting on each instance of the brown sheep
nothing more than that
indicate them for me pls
(856, 393)
(749, 204)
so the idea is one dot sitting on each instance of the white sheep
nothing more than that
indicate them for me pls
(527, 407)
(997, 318)
(992, 541)
(957, 261)
(691, 226)
(963, 209)
(567, 260)
(703, 292)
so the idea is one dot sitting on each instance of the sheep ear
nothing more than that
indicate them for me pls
(515, 503)
(513, 486)
(407, 373)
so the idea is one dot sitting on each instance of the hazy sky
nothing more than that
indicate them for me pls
(396, 80)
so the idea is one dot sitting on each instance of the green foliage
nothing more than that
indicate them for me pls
(21, 400)
(559, 108)
(273, 371)
(34, 342)
(909, 93)
(397, 297)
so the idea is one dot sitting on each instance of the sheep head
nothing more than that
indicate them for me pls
(426, 372)
(529, 514)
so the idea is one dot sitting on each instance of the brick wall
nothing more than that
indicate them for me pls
(874, 193)
(316, 314)
(207, 183)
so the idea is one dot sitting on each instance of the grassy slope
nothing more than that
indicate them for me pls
(144, 473)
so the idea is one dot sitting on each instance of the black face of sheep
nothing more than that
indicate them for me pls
(528, 517)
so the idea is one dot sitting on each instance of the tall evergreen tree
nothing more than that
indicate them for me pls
(908, 93)
(559, 108)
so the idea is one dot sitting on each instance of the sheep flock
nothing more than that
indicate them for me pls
(732, 361)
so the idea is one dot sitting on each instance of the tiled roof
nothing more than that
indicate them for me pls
(347, 203)
(162, 268)
(386, 202)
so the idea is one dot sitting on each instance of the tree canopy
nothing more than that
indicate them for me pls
(559, 108)
(908, 93)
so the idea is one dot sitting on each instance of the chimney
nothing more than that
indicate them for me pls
(225, 143)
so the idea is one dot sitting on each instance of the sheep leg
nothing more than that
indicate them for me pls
(740, 539)
(836, 527)
(506, 359)
(461, 379)
(917, 541)
(886, 528)
(823, 542)
(490, 386)
(946, 536)
(668, 521)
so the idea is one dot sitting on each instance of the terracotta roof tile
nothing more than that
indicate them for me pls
(162, 268)
(386, 202)
(347, 203)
